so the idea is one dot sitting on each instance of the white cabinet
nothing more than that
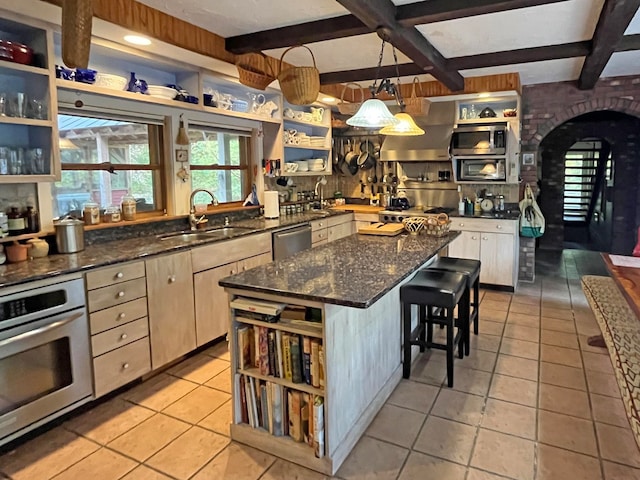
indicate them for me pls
(494, 243)
(331, 228)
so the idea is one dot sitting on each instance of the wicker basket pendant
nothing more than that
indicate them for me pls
(254, 70)
(299, 85)
(77, 16)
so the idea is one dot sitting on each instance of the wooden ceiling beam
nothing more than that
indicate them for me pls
(379, 15)
(614, 20)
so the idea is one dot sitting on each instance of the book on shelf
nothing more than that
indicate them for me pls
(277, 409)
(321, 365)
(295, 418)
(263, 345)
(315, 362)
(264, 406)
(279, 357)
(253, 400)
(318, 426)
(293, 312)
(244, 415)
(245, 340)
(306, 360)
(286, 356)
(296, 359)
(304, 417)
(271, 343)
(257, 306)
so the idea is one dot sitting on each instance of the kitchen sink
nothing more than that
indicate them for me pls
(210, 234)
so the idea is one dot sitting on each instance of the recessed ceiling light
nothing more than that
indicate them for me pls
(484, 94)
(137, 40)
(328, 99)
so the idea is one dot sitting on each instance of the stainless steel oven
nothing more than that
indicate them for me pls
(479, 140)
(481, 169)
(45, 360)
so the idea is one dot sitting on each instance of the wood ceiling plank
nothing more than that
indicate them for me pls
(614, 20)
(380, 14)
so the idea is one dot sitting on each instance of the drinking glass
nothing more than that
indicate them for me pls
(38, 109)
(4, 107)
(4, 161)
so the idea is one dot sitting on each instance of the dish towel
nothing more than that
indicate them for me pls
(532, 221)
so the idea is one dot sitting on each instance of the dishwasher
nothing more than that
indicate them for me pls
(288, 241)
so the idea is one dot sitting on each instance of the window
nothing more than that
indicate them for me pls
(219, 161)
(105, 158)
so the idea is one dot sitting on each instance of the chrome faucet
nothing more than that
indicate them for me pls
(193, 221)
(319, 184)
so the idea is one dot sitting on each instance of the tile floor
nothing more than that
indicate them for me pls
(533, 401)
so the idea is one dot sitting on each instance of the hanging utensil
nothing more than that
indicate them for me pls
(375, 172)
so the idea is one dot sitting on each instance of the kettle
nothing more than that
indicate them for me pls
(487, 113)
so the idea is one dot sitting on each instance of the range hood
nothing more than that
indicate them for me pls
(433, 146)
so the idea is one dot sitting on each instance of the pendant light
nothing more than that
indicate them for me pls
(373, 113)
(182, 137)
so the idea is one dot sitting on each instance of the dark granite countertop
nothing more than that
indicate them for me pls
(506, 215)
(354, 271)
(117, 251)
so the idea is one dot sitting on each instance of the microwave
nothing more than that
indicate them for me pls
(481, 169)
(479, 140)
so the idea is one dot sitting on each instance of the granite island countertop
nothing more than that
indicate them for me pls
(354, 271)
(118, 251)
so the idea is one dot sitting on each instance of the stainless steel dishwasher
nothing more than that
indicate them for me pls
(288, 241)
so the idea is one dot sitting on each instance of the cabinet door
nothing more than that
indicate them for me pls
(339, 231)
(497, 257)
(212, 309)
(171, 311)
(467, 245)
(256, 261)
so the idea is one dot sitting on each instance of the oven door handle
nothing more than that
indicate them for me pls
(41, 330)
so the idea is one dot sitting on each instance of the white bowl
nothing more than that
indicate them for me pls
(162, 92)
(114, 82)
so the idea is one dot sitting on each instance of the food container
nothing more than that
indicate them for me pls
(91, 213)
(15, 52)
(38, 247)
(69, 235)
(128, 207)
(111, 215)
(16, 252)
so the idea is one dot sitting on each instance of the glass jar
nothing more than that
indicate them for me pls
(128, 207)
(4, 225)
(32, 220)
(16, 222)
(91, 213)
(111, 214)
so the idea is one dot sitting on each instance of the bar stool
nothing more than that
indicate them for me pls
(471, 270)
(429, 290)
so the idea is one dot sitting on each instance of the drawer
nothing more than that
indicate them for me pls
(120, 336)
(118, 315)
(484, 225)
(116, 294)
(220, 253)
(318, 235)
(367, 217)
(319, 224)
(319, 242)
(121, 366)
(116, 274)
(339, 220)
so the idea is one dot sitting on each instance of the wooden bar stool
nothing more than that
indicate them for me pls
(471, 270)
(429, 290)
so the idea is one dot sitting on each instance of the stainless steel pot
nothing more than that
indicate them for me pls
(69, 235)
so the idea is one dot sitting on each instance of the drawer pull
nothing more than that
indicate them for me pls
(499, 227)
(172, 279)
(320, 224)
(121, 315)
(461, 224)
(485, 238)
(121, 294)
(474, 238)
(232, 272)
(125, 366)
(123, 336)
(244, 268)
(119, 275)
(320, 235)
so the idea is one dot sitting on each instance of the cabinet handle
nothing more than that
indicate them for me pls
(122, 315)
(499, 227)
(320, 235)
(172, 279)
(320, 224)
(232, 272)
(461, 224)
(485, 238)
(121, 294)
(244, 268)
(125, 366)
(123, 336)
(474, 238)
(119, 275)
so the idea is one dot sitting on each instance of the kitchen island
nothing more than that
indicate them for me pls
(354, 285)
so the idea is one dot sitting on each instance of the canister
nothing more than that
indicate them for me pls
(69, 235)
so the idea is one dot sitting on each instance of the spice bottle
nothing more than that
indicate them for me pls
(16, 221)
(91, 213)
(32, 220)
(128, 207)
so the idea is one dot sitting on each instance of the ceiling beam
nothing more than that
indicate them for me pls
(614, 20)
(628, 43)
(380, 15)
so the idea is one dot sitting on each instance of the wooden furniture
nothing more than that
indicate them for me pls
(628, 281)
(494, 242)
(117, 303)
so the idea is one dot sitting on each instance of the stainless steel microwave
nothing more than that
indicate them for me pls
(479, 140)
(481, 169)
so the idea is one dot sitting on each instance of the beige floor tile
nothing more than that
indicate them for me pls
(219, 350)
(609, 410)
(497, 296)
(555, 374)
(526, 308)
(479, 360)
(510, 418)
(561, 356)
(420, 467)
(428, 370)
(557, 325)
(156, 432)
(559, 339)
(200, 368)
(188, 453)
(475, 474)
(145, 473)
(531, 321)
(108, 420)
(282, 470)
(516, 390)
(46, 455)
(588, 328)
(520, 332)
(396, 425)
(221, 382)
(585, 347)
(237, 462)
(196, 405)
(104, 464)
(597, 363)
(414, 395)
(559, 464)
(504, 454)
(614, 471)
(603, 384)
(219, 420)
(560, 313)
(564, 400)
(159, 392)
(563, 431)
(486, 342)
(459, 406)
(372, 459)
(471, 381)
(519, 348)
(618, 444)
(498, 305)
(525, 299)
(491, 315)
(517, 367)
(446, 439)
(489, 327)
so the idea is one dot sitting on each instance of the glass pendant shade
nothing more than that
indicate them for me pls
(373, 113)
(405, 126)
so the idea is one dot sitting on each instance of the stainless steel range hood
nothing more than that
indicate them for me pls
(433, 146)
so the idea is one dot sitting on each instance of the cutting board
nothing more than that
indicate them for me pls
(388, 229)
(350, 207)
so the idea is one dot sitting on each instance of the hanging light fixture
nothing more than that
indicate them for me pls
(373, 113)
(405, 126)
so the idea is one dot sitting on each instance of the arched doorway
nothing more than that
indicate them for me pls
(593, 159)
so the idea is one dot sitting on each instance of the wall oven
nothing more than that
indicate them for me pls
(485, 169)
(45, 361)
(479, 140)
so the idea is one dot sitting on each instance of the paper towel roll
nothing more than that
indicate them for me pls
(271, 204)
